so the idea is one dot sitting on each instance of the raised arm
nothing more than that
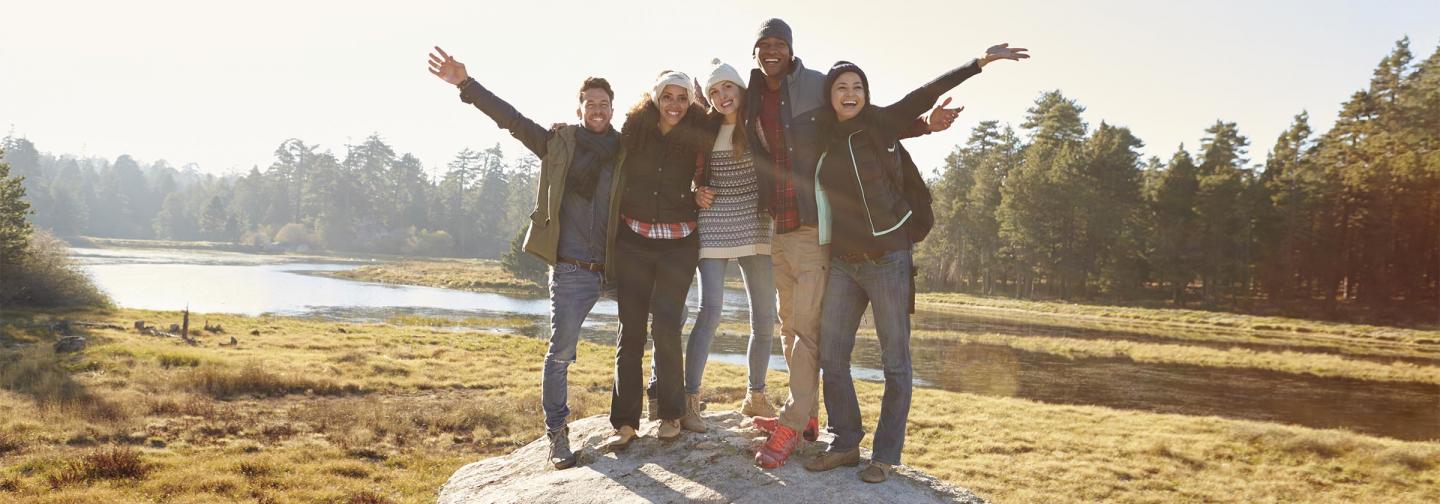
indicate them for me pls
(904, 112)
(528, 132)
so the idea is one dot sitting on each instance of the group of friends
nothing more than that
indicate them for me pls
(792, 173)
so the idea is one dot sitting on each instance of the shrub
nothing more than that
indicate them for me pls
(45, 276)
(429, 243)
(37, 372)
(367, 497)
(222, 383)
(294, 235)
(522, 264)
(105, 464)
(10, 442)
(257, 238)
(174, 360)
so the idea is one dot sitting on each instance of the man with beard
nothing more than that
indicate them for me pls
(576, 207)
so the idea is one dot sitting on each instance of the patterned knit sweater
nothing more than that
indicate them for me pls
(733, 225)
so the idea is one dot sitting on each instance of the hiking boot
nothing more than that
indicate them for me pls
(812, 428)
(757, 405)
(828, 460)
(692, 421)
(621, 439)
(876, 472)
(777, 449)
(669, 429)
(560, 455)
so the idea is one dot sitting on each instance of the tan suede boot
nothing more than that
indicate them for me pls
(757, 405)
(621, 439)
(692, 421)
(876, 472)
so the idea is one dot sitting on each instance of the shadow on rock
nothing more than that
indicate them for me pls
(716, 466)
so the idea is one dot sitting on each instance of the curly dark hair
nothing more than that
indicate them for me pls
(644, 117)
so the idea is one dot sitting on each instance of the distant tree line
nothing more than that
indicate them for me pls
(370, 199)
(1349, 216)
(1347, 219)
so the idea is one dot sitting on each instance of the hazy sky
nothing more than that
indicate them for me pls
(222, 85)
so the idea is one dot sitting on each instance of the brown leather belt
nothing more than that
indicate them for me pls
(596, 267)
(856, 257)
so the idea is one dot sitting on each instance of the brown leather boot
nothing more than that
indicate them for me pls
(692, 421)
(876, 472)
(828, 460)
(669, 430)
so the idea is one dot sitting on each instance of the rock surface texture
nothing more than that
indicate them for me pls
(716, 466)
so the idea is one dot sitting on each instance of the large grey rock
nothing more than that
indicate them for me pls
(716, 466)
(70, 344)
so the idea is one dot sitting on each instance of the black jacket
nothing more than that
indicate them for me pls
(866, 150)
(659, 169)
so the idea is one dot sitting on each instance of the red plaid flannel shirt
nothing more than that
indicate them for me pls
(784, 208)
(661, 230)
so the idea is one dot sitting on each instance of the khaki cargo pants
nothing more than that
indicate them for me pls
(801, 267)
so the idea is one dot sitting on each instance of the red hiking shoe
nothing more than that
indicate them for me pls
(777, 449)
(812, 429)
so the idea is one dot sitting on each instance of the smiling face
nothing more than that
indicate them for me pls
(773, 57)
(724, 97)
(847, 96)
(674, 102)
(595, 110)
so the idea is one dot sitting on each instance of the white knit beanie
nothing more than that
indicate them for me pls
(721, 72)
(669, 78)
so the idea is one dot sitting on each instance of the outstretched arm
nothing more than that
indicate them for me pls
(915, 103)
(939, 119)
(530, 133)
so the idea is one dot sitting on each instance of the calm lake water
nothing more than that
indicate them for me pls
(256, 284)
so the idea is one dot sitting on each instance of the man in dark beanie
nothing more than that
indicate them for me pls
(777, 28)
(783, 103)
(576, 205)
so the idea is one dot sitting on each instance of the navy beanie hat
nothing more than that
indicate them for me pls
(776, 27)
(838, 69)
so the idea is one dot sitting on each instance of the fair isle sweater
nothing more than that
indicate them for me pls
(733, 225)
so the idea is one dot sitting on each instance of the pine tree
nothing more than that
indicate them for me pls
(522, 264)
(1218, 208)
(1174, 256)
(14, 214)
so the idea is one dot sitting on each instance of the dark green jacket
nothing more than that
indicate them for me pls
(543, 238)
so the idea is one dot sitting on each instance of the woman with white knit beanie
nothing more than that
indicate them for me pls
(731, 226)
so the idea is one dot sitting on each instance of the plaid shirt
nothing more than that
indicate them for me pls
(785, 208)
(660, 230)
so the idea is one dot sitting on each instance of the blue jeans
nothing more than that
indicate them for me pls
(760, 284)
(885, 285)
(573, 292)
